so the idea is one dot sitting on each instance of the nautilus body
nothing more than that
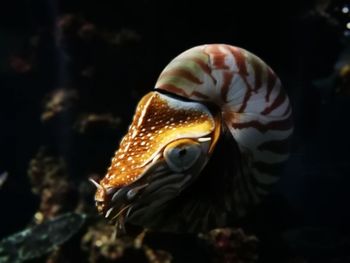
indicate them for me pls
(204, 147)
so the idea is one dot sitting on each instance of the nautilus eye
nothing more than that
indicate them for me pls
(182, 154)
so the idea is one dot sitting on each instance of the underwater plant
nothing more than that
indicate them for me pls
(38, 240)
(204, 147)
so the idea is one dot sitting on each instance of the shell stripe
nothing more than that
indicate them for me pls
(271, 81)
(275, 146)
(183, 73)
(228, 75)
(276, 103)
(285, 124)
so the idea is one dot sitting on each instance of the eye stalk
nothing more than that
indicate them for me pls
(180, 155)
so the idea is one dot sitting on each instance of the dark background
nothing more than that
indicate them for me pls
(111, 52)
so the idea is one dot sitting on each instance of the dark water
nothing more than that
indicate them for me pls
(111, 53)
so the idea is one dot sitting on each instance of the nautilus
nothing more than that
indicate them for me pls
(204, 147)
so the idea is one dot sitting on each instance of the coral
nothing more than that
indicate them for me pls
(102, 245)
(232, 245)
(49, 179)
(88, 123)
(58, 102)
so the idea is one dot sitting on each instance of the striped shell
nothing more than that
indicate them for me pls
(254, 107)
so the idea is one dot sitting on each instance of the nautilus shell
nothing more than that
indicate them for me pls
(204, 147)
